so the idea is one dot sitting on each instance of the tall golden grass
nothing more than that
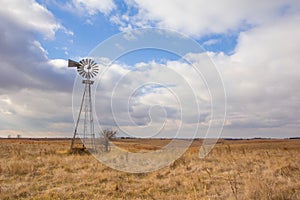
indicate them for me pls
(254, 169)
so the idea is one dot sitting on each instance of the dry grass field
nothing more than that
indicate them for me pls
(243, 169)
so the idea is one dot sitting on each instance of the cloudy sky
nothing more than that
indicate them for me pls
(254, 45)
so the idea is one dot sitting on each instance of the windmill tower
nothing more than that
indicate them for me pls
(87, 69)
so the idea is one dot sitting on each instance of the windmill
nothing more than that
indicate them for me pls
(87, 69)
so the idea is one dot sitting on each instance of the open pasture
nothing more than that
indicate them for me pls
(239, 169)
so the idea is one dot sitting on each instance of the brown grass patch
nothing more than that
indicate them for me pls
(246, 169)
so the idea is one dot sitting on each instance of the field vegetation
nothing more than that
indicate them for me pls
(241, 169)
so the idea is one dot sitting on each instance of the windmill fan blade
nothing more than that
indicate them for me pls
(81, 72)
(95, 67)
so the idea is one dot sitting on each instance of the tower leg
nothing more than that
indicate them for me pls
(77, 122)
(91, 120)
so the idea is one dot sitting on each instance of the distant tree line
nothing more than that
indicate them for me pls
(18, 136)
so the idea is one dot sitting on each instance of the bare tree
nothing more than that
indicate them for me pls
(107, 136)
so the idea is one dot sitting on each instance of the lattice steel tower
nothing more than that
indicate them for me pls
(88, 69)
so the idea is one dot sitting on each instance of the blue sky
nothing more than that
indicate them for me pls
(91, 30)
(254, 45)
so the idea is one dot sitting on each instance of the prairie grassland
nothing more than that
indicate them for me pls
(247, 169)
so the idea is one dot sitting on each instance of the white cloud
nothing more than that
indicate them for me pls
(31, 16)
(150, 96)
(33, 90)
(92, 7)
(262, 77)
(6, 100)
(36, 110)
(59, 63)
(200, 17)
(262, 74)
(210, 42)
